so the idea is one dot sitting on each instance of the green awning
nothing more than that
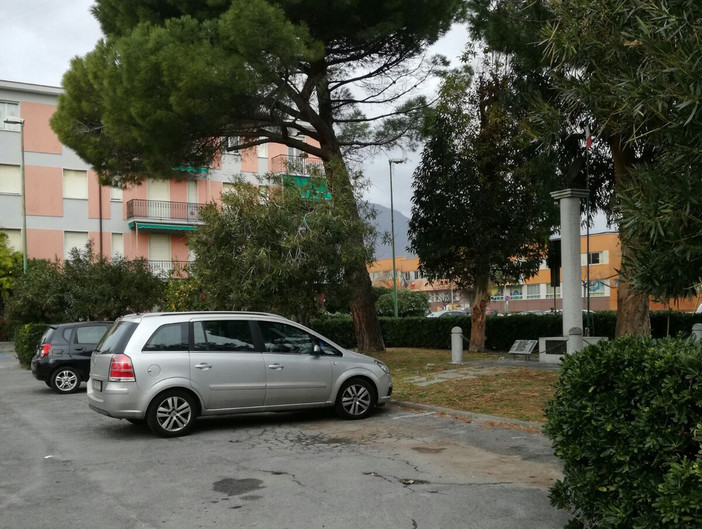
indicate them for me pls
(169, 227)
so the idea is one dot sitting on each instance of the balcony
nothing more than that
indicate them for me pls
(299, 172)
(297, 166)
(163, 215)
(165, 268)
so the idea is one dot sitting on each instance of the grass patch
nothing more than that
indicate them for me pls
(517, 393)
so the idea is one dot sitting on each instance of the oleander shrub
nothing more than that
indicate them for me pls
(27, 338)
(409, 304)
(626, 421)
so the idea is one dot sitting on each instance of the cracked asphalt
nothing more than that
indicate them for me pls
(64, 466)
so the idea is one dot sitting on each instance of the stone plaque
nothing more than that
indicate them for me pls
(522, 347)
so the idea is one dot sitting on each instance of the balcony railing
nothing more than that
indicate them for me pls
(297, 165)
(164, 268)
(186, 212)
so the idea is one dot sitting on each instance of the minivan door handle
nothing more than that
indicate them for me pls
(203, 366)
(276, 367)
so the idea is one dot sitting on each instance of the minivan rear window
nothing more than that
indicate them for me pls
(116, 339)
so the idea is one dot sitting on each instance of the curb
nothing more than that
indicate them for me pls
(477, 417)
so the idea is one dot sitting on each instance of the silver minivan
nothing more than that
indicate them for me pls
(167, 369)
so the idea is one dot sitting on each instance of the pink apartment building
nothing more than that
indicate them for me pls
(66, 206)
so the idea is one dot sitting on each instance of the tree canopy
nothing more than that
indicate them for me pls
(631, 70)
(481, 206)
(10, 261)
(274, 249)
(85, 287)
(172, 80)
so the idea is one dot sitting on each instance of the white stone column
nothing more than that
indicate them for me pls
(571, 284)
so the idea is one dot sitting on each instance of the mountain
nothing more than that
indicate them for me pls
(382, 224)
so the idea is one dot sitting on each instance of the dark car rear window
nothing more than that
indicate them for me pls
(47, 335)
(115, 340)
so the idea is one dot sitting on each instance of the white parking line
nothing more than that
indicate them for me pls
(414, 415)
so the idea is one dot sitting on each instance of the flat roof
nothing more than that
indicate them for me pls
(31, 88)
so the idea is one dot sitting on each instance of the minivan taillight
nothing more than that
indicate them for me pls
(45, 350)
(121, 369)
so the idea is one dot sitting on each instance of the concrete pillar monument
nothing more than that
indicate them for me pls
(571, 284)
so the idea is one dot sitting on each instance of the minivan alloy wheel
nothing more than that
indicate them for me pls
(174, 414)
(356, 399)
(171, 414)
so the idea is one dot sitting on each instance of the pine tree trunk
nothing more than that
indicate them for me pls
(632, 306)
(369, 337)
(477, 314)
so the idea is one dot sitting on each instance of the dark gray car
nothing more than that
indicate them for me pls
(62, 359)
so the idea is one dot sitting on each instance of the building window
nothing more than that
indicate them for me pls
(10, 179)
(595, 258)
(262, 150)
(9, 109)
(117, 245)
(533, 291)
(498, 295)
(192, 195)
(515, 292)
(14, 239)
(73, 239)
(597, 289)
(75, 184)
(232, 142)
(549, 292)
(116, 194)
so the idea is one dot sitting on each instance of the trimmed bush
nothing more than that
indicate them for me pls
(627, 422)
(27, 338)
(337, 328)
(501, 332)
(679, 322)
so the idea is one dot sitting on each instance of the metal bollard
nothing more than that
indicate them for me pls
(456, 345)
(575, 340)
(697, 331)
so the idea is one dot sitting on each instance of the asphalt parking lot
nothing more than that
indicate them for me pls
(64, 466)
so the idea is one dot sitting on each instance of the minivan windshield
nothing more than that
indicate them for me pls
(115, 340)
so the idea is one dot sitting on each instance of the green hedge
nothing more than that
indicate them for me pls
(27, 338)
(680, 323)
(501, 332)
(627, 422)
(435, 333)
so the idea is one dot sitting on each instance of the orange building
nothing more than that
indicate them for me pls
(533, 294)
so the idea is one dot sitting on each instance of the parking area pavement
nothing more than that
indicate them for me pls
(64, 466)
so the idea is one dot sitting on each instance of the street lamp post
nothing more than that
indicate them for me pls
(20, 122)
(392, 235)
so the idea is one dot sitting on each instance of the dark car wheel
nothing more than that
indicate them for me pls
(65, 380)
(356, 399)
(171, 414)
